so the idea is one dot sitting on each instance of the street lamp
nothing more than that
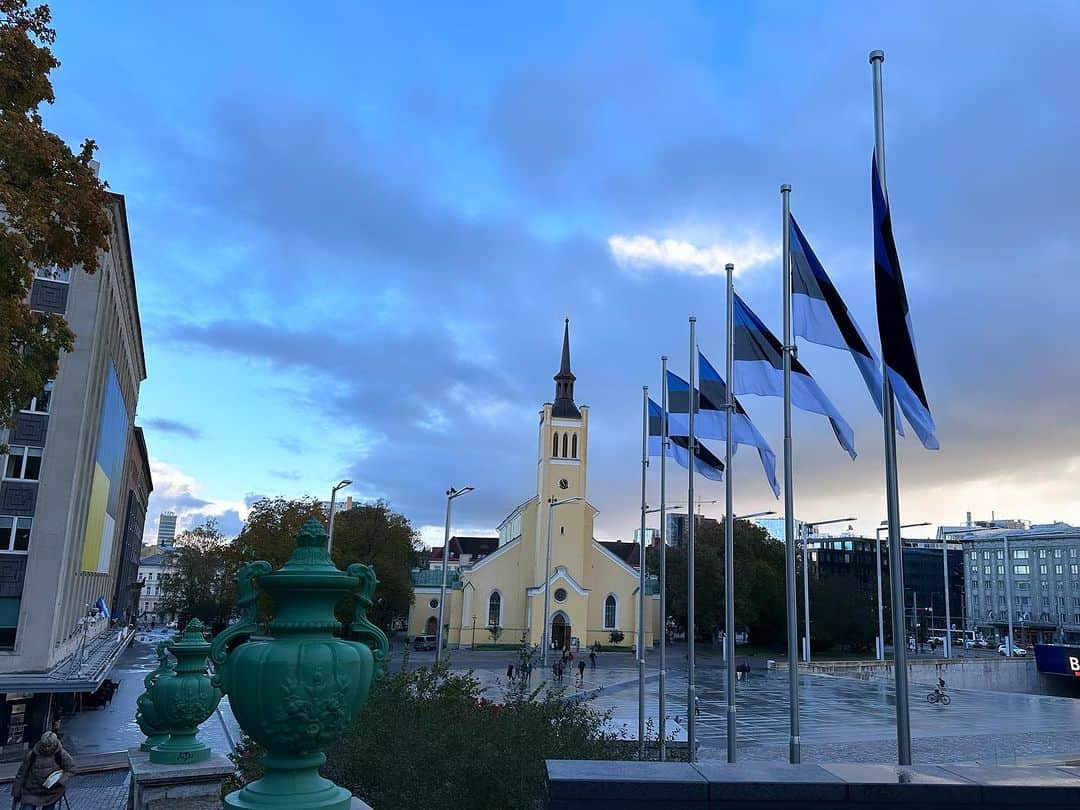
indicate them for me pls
(450, 495)
(880, 614)
(330, 521)
(806, 531)
(552, 503)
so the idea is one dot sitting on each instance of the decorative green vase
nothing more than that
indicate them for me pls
(147, 715)
(185, 698)
(296, 692)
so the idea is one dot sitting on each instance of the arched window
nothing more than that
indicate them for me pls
(573, 446)
(564, 443)
(609, 612)
(494, 609)
(555, 445)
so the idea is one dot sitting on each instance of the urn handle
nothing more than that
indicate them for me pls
(164, 665)
(248, 605)
(368, 633)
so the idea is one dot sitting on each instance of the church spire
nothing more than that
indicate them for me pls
(564, 382)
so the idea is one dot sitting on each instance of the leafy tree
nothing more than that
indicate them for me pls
(54, 206)
(270, 530)
(200, 583)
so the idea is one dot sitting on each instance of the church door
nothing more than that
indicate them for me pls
(560, 632)
(429, 628)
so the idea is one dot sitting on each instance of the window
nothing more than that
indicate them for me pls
(1076, 618)
(1072, 553)
(1057, 553)
(1020, 554)
(986, 555)
(494, 609)
(560, 594)
(1000, 554)
(1042, 553)
(53, 273)
(1023, 585)
(989, 584)
(1021, 570)
(555, 445)
(573, 446)
(1074, 569)
(986, 570)
(1076, 601)
(1001, 600)
(610, 612)
(1001, 570)
(40, 403)
(974, 556)
(1061, 602)
(14, 533)
(433, 603)
(23, 462)
(1059, 569)
(1046, 602)
(565, 442)
(1042, 569)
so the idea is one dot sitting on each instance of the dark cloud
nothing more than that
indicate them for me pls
(173, 426)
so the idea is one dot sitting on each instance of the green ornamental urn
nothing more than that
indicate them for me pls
(147, 715)
(297, 691)
(185, 699)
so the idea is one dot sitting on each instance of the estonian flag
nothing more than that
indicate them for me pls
(894, 322)
(821, 316)
(759, 369)
(709, 422)
(705, 463)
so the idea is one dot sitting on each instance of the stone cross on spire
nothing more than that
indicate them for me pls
(564, 406)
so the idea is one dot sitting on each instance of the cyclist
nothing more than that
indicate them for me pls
(939, 690)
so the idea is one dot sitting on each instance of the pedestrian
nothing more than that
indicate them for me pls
(555, 671)
(581, 671)
(592, 658)
(510, 671)
(528, 671)
(41, 778)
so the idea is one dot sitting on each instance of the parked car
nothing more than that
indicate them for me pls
(1018, 652)
(423, 643)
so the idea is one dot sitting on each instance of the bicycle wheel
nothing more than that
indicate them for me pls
(945, 700)
(931, 698)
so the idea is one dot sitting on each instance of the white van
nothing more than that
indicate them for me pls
(423, 643)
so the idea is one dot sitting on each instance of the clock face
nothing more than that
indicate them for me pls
(563, 483)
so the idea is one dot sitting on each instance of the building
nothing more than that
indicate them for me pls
(676, 530)
(500, 597)
(1039, 566)
(775, 527)
(125, 603)
(166, 532)
(153, 571)
(464, 551)
(74, 490)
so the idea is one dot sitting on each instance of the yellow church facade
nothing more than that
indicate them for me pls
(593, 589)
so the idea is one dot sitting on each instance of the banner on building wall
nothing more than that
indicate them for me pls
(105, 488)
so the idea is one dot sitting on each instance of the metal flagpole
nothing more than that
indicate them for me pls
(641, 572)
(794, 744)
(1008, 599)
(948, 613)
(729, 521)
(804, 533)
(663, 555)
(892, 487)
(691, 693)
(880, 612)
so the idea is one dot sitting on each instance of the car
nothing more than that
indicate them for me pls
(1018, 652)
(425, 643)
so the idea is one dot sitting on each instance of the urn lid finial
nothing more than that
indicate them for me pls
(311, 535)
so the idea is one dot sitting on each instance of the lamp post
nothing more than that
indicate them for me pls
(330, 520)
(807, 530)
(877, 568)
(552, 503)
(450, 495)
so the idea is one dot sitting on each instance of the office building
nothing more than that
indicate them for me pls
(166, 532)
(72, 498)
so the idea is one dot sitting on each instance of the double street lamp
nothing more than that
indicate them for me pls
(552, 503)
(877, 567)
(450, 495)
(807, 529)
(330, 520)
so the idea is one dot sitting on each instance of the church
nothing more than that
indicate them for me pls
(495, 588)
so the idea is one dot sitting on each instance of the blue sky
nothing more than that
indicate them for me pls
(357, 230)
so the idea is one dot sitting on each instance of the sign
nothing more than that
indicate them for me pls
(1058, 659)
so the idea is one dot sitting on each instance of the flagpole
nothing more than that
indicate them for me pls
(729, 521)
(641, 572)
(794, 742)
(892, 488)
(663, 554)
(691, 693)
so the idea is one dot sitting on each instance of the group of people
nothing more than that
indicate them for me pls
(523, 671)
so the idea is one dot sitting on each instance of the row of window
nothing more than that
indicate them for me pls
(14, 533)
(1025, 554)
(1023, 569)
(494, 617)
(569, 445)
(23, 463)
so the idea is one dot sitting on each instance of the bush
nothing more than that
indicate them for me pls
(616, 636)
(428, 738)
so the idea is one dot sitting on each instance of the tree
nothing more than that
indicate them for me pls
(54, 207)
(199, 584)
(759, 582)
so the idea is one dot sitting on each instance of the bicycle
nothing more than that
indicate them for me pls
(937, 696)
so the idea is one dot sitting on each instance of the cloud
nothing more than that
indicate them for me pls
(288, 475)
(173, 426)
(179, 492)
(641, 252)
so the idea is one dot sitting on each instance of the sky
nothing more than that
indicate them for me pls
(356, 232)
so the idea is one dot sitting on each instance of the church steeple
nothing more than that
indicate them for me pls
(564, 406)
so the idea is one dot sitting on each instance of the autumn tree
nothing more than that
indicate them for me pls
(199, 583)
(52, 206)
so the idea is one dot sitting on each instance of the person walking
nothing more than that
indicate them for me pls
(581, 671)
(42, 776)
(510, 671)
(592, 658)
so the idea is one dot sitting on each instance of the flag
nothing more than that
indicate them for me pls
(759, 369)
(894, 322)
(103, 609)
(821, 316)
(709, 422)
(705, 462)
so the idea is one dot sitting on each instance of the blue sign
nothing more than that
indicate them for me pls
(1058, 659)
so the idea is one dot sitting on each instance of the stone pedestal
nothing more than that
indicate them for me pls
(162, 787)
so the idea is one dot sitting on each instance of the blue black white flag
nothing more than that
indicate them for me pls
(709, 421)
(821, 316)
(894, 322)
(759, 369)
(705, 462)
(103, 609)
